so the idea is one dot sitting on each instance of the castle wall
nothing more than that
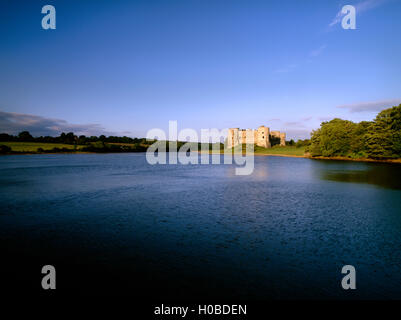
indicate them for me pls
(232, 138)
(282, 139)
(279, 135)
(261, 136)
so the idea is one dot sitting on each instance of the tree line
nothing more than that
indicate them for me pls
(68, 138)
(377, 139)
(101, 144)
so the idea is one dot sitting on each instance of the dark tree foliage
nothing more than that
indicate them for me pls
(6, 137)
(4, 149)
(69, 138)
(25, 136)
(290, 143)
(379, 139)
(302, 143)
(384, 134)
(101, 147)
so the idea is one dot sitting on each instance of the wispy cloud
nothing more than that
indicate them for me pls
(325, 118)
(372, 106)
(360, 7)
(296, 129)
(297, 124)
(297, 134)
(287, 68)
(312, 54)
(13, 123)
(318, 51)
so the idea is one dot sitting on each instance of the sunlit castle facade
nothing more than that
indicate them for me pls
(262, 137)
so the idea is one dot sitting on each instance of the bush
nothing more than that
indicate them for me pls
(302, 143)
(290, 143)
(4, 149)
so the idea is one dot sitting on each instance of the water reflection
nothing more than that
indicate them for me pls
(260, 170)
(380, 174)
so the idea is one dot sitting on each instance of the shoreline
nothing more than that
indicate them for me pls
(78, 152)
(396, 161)
(335, 158)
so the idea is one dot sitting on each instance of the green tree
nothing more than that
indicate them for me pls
(334, 138)
(384, 134)
(25, 136)
(290, 143)
(302, 143)
(358, 143)
(314, 146)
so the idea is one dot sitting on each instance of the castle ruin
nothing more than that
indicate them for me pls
(262, 137)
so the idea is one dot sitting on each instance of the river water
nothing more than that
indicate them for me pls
(113, 224)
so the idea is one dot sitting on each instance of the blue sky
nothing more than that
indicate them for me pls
(124, 67)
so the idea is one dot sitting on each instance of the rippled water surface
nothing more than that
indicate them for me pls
(112, 224)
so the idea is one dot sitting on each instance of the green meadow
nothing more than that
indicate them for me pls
(278, 150)
(34, 146)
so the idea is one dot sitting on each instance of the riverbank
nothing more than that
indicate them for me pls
(357, 159)
(333, 158)
(294, 152)
(277, 151)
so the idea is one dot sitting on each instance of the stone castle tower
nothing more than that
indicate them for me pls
(262, 137)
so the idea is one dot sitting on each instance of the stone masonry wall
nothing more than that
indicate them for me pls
(262, 136)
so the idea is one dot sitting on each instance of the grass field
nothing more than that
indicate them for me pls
(287, 150)
(33, 146)
(278, 150)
